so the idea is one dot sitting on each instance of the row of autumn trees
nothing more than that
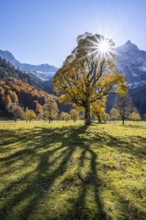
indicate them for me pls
(9, 101)
(122, 109)
(49, 110)
(18, 98)
(21, 101)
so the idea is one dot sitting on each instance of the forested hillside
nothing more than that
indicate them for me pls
(16, 88)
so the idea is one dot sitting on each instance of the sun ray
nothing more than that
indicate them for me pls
(101, 47)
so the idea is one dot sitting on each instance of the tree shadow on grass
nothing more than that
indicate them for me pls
(128, 209)
(51, 150)
(40, 180)
(135, 146)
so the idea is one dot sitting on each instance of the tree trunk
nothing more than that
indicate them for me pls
(99, 118)
(87, 112)
(123, 120)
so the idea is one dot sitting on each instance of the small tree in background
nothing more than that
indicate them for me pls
(29, 115)
(106, 118)
(17, 112)
(124, 105)
(135, 116)
(50, 110)
(74, 114)
(114, 114)
(38, 107)
(98, 109)
(65, 116)
(40, 115)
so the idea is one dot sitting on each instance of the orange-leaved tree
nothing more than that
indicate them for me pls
(87, 74)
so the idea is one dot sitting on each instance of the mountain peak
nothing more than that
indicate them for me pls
(6, 55)
(128, 45)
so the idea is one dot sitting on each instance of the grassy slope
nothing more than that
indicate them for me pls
(66, 171)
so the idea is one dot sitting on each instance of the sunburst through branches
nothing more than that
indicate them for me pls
(101, 48)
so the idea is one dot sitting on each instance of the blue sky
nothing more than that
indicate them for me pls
(45, 31)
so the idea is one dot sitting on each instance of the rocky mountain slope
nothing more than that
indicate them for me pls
(132, 63)
(43, 71)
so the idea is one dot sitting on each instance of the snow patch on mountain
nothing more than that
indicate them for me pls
(142, 68)
(135, 85)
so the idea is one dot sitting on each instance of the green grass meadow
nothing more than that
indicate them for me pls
(64, 170)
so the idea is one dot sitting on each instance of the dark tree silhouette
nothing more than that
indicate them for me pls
(124, 106)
